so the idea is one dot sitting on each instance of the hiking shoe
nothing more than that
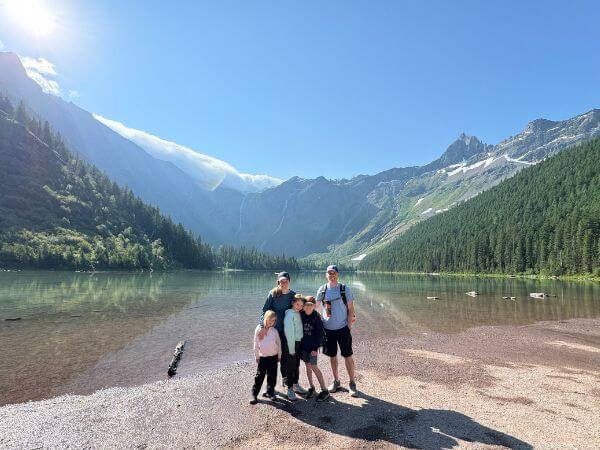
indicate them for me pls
(254, 400)
(291, 395)
(310, 392)
(353, 391)
(334, 386)
(299, 389)
(323, 395)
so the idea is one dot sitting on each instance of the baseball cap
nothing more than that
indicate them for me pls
(283, 275)
(332, 267)
(310, 300)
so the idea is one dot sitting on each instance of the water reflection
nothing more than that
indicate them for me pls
(81, 332)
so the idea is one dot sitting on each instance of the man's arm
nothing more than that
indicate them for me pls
(351, 315)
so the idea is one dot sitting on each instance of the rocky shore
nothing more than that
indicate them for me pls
(487, 387)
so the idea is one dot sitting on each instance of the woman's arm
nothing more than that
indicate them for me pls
(278, 340)
(267, 306)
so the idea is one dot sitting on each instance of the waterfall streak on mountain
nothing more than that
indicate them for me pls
(282, 217)
(241, 208)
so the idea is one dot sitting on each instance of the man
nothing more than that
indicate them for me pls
(336, 304)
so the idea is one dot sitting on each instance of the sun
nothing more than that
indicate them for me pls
(32, 15)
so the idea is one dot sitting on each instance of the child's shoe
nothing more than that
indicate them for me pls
(310, 392)
(254, 400)
(291, 395)
(323, 395)
(299, 389)
(334, 386)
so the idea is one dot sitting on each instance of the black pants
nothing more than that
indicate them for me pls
(267, 365)
(292, 367)
(285, 354)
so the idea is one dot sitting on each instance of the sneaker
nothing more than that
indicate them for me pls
(323, 395)
(353, 391)
(334, 386)
(299, 389)
(291, 395)
(310, 392)
(254, 400)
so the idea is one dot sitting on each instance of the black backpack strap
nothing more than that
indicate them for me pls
(343, 294)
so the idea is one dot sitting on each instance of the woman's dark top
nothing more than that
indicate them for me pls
(313, 331)
(280, 305)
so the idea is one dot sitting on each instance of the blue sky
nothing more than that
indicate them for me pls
(322, 88)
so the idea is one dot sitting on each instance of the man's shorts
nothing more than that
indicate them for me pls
(308, 358)
(341, 337)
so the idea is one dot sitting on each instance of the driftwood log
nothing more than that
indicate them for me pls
(175, 360)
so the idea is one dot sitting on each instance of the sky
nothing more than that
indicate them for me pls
(333, 88)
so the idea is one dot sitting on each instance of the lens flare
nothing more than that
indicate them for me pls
(32, 15)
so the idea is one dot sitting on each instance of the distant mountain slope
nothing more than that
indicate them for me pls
(546, 219)
(345, 219)
(157, 182)
(57, 211)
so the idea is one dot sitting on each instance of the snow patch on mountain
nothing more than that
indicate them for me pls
(465, 169)
(419, 201)
(359, 257)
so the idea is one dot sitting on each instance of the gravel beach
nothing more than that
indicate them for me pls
(487, 387)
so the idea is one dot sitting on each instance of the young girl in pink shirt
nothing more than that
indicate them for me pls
(267, 352)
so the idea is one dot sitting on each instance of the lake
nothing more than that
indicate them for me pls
(81, 332)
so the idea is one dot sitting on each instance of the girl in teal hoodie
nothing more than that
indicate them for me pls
(292, 327)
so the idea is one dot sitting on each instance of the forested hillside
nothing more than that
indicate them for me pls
(57, 211)
(545, 219)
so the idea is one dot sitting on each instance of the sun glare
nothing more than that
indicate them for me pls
(33, 15)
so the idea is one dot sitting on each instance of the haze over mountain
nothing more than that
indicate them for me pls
(207, 171)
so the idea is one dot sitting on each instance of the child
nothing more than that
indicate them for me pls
(292, 327)
(267, 352)
(312, 339)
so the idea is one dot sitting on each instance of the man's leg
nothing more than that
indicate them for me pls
(350, 367)
(334, 368)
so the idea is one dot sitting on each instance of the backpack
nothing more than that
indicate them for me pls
(342, 294)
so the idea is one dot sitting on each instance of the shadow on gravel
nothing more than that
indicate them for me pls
(379, 420)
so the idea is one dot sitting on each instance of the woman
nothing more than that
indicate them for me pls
(280, 300)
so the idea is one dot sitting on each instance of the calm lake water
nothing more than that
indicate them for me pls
(81, 332)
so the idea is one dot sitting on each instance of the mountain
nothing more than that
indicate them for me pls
(317, 219)
(348, 219)
(158, 182)
(545, 219)
(57, 211)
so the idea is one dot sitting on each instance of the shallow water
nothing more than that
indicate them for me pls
(81, 332)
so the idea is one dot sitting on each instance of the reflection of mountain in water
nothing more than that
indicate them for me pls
(69, 321)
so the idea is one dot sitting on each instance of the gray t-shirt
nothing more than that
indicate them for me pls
(339, 312)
